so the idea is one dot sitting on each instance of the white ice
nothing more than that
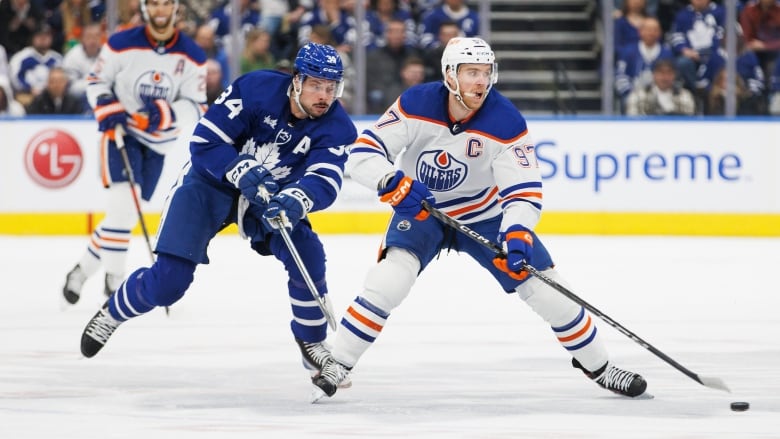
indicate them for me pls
(459, 358)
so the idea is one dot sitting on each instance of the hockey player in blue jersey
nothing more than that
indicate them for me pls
(150, 81)
(464, 148)
(269, 132)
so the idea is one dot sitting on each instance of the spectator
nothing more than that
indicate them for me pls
(329, 13)
(18, 21)
(30, 66)
(214, 81)
(627, 24)
(747, 102)
(79, 60)
(651, 7)
(284, 42)
(8, 105)
(450, 10)
(664, 97)
(749, 72)
(696, 34)
(383, 67)
(205, 37)
(220, 20)
(55, 99)
(760, 22)
(432, 56)
(634, 63)
(75, 15)
(412, 72)
(379, 15)
(130, 15)
(257, 52)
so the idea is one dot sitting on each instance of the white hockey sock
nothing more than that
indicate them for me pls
(572, 324)
(90, 260)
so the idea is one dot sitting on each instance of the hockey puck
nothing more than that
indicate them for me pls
(740, 406)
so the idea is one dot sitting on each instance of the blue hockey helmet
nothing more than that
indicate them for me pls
(319, 61)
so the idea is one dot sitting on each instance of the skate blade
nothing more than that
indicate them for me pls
(645, 395)
(316, 394)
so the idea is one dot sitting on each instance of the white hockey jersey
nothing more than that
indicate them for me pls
(476, 168)
(135, 69)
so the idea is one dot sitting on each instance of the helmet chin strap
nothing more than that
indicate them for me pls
(296, 95)
(456, 92)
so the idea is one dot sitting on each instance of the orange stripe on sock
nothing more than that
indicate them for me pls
(577, 334)
(364, 320)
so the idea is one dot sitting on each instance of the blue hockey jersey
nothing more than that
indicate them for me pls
(253, 117)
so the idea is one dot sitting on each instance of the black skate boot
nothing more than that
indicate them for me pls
(315, 356)
(622, 382)
(97, 332)
(74, 282)
(333, 376)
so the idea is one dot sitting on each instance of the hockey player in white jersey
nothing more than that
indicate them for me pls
(150, 80)
(467, 151)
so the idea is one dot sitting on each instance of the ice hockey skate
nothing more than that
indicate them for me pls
(97, 332)
(622, 382)
(315, 356)
(74, 282)
(333, 376)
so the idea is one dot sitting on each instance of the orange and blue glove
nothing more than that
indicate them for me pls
(109, 113)
(519, 245)
(406, 196)
(156, 115)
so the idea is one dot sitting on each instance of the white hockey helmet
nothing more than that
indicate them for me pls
(467, 51)
(145, 13)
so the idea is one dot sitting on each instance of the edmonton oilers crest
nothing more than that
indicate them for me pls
(153, 84)
(440, 171)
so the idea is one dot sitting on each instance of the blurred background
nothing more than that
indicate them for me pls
(649, 116)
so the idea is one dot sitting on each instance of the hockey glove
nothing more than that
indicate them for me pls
(406, 195)
(156, 115)
(109, 113)
(519, 246)
(287, 207)
(248, 176)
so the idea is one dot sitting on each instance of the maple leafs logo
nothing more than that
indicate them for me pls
(267, 155)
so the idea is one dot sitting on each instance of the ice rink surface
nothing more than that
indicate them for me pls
(458, 359)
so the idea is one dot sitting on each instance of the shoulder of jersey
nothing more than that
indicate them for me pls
(263, 86)
(425, 101)
(499, 118)
(135, 38)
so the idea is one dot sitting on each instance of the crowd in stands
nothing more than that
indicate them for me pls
(670, 57)
(42, 39)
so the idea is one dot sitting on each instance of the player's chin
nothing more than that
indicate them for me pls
(318, 110)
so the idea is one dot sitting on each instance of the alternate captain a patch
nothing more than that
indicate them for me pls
(440, 171)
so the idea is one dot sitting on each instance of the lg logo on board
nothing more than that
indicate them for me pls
(53, 159)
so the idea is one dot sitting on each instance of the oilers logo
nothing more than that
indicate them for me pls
(153, 84)
(440, 171)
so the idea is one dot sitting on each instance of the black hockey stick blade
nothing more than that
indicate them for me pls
(711, 382)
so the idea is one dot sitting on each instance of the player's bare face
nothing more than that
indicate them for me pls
(474, 80)
(160, 15)
(317, 95)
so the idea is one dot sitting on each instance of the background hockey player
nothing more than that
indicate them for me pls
(269, 131)
(150, 80)
(466, 150)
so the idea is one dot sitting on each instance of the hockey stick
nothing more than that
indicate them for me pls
(119, 139)
(712, 382)
(322, 301)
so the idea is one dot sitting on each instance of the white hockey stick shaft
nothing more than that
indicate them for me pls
(712, 382)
